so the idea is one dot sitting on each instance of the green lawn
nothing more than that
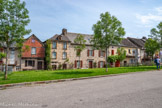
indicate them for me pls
(29, 76)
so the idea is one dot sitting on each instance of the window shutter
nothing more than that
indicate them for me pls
(75, 63)
(81, 63)
(93, 52)
(88, 53)
(99, 53)
(99, 64)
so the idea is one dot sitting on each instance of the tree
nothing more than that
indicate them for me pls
(80, 41)
(151, 47)
(21, 48)
(121, 54)
(48, 54)
(107, 31)
(13, 19)
(156, 33)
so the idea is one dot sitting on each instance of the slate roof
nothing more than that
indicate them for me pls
(138, 42)
(127, 43)
(63, 37)
(72, 37)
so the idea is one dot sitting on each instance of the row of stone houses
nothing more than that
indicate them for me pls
(62, 48)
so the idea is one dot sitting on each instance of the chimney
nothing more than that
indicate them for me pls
(144, 37)
(64, 31)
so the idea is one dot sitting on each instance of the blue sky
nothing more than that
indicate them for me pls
(48, 17)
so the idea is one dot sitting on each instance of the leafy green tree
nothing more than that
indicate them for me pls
(121, 54)
(112, 58)
(156, 33)
(151, 47)
(80, 41)
(107, 31)
(48, 54)
(21, 48)
(13, 19)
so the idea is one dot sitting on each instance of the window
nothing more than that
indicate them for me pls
(101, 53)
(64, 55)
(29, 63)
(101, 64)
(90, 52)
(33, 51)
(54, 55)
(54, 45)
(129, 51)
(78, 52)
(65, 45)
(78, 64)
(33, 40)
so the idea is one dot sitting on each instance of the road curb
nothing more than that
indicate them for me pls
(6, 86)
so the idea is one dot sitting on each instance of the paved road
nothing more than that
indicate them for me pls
(137, 90)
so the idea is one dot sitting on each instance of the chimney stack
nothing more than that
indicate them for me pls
(64, 31)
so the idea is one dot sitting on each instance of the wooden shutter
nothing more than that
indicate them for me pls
(75, 63)
(88, 52)
(93, 52)
(99, 64)
(81, 63)
(112, 52)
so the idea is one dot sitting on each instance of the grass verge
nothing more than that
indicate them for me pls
(43, 75)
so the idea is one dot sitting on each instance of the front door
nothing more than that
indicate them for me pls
(64, 66)
(90, 64)
(39, 65)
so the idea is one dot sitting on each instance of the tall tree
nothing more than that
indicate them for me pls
(13, 19)
(80, 41)
(156, 33)
(151, 47)
(107, 31)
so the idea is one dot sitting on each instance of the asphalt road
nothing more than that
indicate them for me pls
(137, 90)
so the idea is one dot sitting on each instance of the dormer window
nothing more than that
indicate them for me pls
(59, 38)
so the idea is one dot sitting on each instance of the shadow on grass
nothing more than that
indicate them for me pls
(70, 73)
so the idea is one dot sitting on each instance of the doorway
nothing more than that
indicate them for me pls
(90, 64)
(39, 66)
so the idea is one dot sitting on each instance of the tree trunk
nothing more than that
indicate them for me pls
(106, 60)
(6, 65)
(20, 63)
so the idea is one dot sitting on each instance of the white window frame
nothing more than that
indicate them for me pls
(90, 52)
(33, 52)
(64, 55)
(54, 45)
(54, 57)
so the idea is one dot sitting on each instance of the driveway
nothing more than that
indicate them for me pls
(134, 90)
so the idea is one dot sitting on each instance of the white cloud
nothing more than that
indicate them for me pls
(149, 18)
(159, 10)
(146, 19)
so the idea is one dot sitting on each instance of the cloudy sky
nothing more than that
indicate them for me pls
(48, 17)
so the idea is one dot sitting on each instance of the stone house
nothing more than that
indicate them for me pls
(13, 60)
(63, 49)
